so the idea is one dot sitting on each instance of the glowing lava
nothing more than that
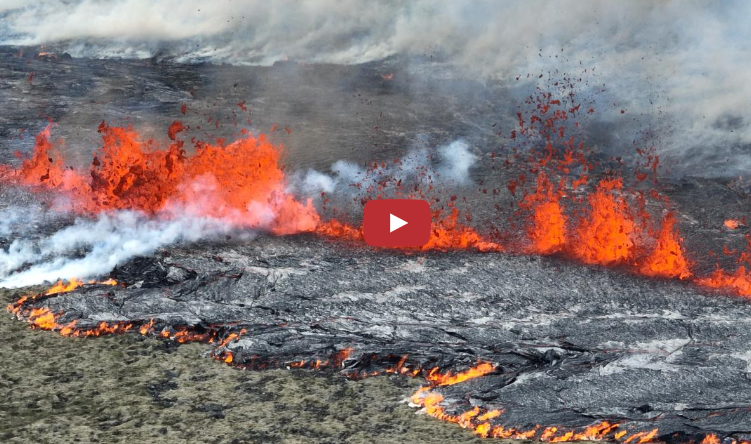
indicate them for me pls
(667, 260)
(481, 421)
(606, 233)
(241, 183)
(547, 229)
(732, 224)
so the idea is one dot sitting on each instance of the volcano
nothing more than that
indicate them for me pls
(572, 288)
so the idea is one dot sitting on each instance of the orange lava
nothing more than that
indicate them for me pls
(480, 421)
(334, 361)
(547, 229)
(481, 369)
(64, 287)
(710, 439)
(45, 319)
(606, 233)
(448, 234)
(732, 224)
(738, 282)
(241, 182)
(667, 259)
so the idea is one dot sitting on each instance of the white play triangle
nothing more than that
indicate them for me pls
(395, 223)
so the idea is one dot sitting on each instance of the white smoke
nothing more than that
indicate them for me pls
(93, 247)
(450, 167)
(107, 241)
(456, 160)
(21, 219)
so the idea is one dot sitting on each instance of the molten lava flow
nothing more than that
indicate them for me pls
(45, 319)
(340, 230)
(42, 318)
(547, 230)
(63, 287)
(667, 259)
(241, 183)
(738, 282)
(46, 167)
(481, 422)
(710, 439)
(333, 361)
(481, 369)
(606, 233)
(732, 224)
(448, 234)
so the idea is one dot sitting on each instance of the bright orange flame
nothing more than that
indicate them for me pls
(147, 328)
(480, 424)
(448, 234)
(667, 259)
(606, 233)
(42, 318)
(241, 182)
(642, 437)
(548, 223)
(341, 230)
(710, 439)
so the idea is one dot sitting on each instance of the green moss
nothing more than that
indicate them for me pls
(128, 389)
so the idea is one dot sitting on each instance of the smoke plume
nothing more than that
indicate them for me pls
(449, 167)
(684, 62)
(91, 248)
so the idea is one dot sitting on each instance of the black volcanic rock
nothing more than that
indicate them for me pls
(572, 345)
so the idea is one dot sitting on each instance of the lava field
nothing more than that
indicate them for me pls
(571, 290)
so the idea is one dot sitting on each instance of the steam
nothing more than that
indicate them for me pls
(93, 247)
(450, 167)
(107, 241)
(18, 220)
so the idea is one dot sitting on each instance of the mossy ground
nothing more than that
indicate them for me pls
(132, 389)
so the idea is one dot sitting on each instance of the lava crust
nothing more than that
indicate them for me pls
(570, 346)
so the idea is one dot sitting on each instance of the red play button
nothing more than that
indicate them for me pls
(396, 223)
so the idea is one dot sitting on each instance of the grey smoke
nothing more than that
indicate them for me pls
(679, 67)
